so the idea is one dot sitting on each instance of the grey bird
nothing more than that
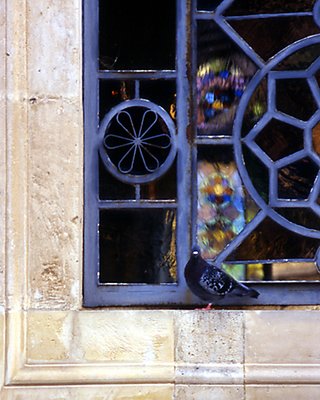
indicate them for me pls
(209, 282)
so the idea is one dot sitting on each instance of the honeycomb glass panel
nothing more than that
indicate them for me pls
(301, 216)
(301, 59)
(296, 180)
(223, 74)
(279, 139)
(256, 108)
(271, 241)
(267, 36)
(132, 34)
(248, 7)
(258, 173)
(316, 139)
(137, 246)
(294, 97)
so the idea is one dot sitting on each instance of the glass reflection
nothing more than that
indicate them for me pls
(137, 246)
(222, 77)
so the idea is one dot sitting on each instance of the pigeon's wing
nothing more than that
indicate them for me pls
(216, 282)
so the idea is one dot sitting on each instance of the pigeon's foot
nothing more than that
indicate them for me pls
(207, 308)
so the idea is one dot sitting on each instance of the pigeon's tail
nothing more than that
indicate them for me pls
(253, 293)
(243, 290)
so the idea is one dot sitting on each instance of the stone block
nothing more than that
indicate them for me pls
(282, 337)
(49, 336)
(209, 392)
(280, 392)
(55, 205)
(54, 48)
(132, 336)
(108, 392)
(209, 337)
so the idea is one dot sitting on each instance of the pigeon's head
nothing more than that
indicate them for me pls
(195, 251)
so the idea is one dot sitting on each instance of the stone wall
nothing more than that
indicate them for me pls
(51, 348)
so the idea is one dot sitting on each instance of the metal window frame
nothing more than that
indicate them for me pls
(132, 294)
(95, 294)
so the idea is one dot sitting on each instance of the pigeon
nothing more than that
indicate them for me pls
(209, 282)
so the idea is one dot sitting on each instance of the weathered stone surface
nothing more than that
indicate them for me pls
(280, 392)
(209, 337)
(49, 336)
(2, 346)
(282, 337)
(209, 392)
(55, 169)
(54, 49)
(125, 392)
(125, 336)
(3, 110)
(55, 205)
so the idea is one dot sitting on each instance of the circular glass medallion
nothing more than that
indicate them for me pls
(137, 141)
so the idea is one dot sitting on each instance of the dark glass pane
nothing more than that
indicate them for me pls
(301, 59)
(137, 246)
(317, 76)
(223, 74)
(161, 92)
(208, 5)
(258, 173)
(164, 188)
(247, 7)
(270, 35)
(137, 34)
(279, 139)
(295, 271)
(294, 97)
(112, 93)
(270, 241)
(295, 181)
(224, 208)
(256, 107)
(111, 188)
(316, 139)
(301, 216)
(290, 271)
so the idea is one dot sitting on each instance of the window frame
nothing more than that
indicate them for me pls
(173, 294)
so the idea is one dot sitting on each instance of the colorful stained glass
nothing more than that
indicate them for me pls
(221, 210)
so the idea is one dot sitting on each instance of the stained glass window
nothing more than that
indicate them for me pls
(204, 132)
